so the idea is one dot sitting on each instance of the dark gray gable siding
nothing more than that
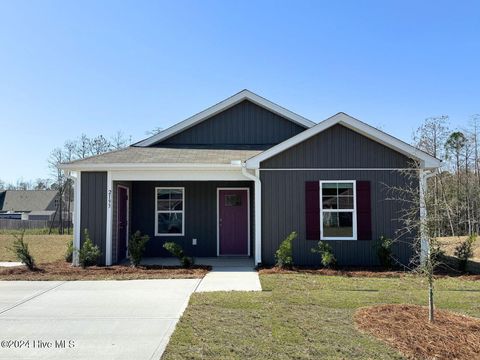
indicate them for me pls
(94, 209)
(337, 147)
(245, 125)
(200, 215)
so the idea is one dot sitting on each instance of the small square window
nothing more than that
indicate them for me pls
(233, 200)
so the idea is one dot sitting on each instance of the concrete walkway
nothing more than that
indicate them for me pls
(230, 278)
(232, 273)
(10, 263)
(90, 319)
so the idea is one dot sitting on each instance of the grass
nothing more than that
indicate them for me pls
(44, 248)
(39, 231)
(304, 316)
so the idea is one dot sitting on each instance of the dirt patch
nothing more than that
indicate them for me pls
(64, 271)
(406, 328)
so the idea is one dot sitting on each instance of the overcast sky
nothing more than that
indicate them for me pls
(96, 67)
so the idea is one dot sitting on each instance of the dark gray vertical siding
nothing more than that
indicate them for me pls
(337, 147)
(94, 208)
(246, 125)
(200, 215)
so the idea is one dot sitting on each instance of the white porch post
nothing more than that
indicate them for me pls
(108, 237)
(258, 212)
(77, 187)
(258, 218)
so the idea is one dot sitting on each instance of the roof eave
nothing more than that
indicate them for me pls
(235, 164)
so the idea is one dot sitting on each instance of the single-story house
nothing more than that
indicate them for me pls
(28, 204)
(238, 177)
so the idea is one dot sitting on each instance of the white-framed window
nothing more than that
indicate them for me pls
(169, 211)
(338, 215)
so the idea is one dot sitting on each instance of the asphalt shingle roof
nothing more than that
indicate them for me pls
(27, 200)
(152, 155)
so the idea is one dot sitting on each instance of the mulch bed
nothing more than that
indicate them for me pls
(407, 329)
(62, 270)
(360, 272)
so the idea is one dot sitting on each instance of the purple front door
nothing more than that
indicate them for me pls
(233, 222)
(122, 222)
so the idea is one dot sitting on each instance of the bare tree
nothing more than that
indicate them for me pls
(120, 141)
(418, 223)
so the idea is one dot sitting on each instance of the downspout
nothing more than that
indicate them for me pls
(258, 211)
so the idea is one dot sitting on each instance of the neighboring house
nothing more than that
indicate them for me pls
(238, 177)
(29, 204)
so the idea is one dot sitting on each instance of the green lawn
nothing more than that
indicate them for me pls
(303, 316)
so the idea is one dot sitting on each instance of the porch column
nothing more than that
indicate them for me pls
(77, 197)
(108, 237)
(258, 218)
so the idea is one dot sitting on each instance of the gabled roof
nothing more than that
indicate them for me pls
(222, 106)
(140, 157)
(27, 200)
(427, 161)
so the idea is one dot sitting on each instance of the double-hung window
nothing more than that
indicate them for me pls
(169, 211)
(338, 218)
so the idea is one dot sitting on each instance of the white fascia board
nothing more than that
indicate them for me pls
(179, 175)
(358, 126)
(146, 166)
(221, 106)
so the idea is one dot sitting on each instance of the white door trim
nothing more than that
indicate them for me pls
(128, 216)
(218, 216)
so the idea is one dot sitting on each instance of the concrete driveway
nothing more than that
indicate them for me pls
(90, 319)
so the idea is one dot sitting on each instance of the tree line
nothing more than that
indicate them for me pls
(455, 187)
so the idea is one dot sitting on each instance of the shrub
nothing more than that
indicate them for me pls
(464, 251)
(383, 247)
(327, 257)
(69, 251)
(284, 254)
(21, 252)
(136, 247)
(177, 251)
(89, 253)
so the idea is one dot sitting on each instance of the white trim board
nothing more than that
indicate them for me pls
(427, 161)
(222, 106)
(218, 217)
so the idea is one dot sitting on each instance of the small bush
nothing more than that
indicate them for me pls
(89, 253)
(464, 251)
(284, 254)
(69, 251)
(21, 252)
(136, 247)
(177, 251)
(327, 258)
(383, 247)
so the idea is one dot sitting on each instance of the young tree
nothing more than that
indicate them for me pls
(418, 222)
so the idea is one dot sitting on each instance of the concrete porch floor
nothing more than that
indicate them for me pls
(217, 263)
